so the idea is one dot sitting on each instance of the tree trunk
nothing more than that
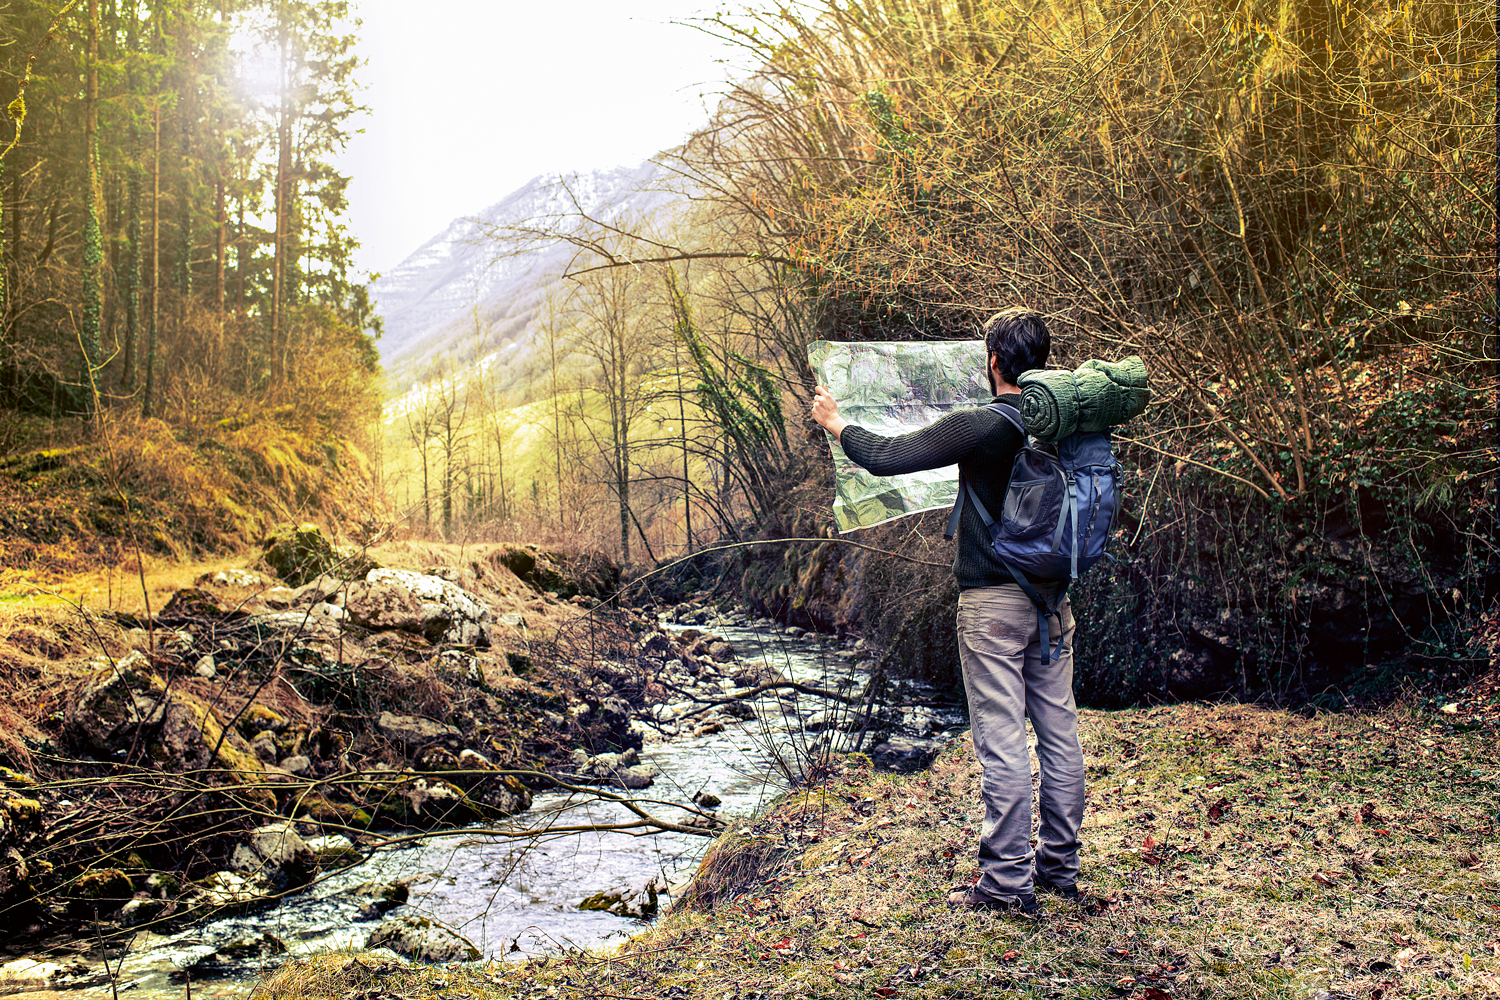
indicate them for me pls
(93, 240)
(283, 208)
(155, 314)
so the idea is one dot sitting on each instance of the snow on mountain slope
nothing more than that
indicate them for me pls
(429, 301)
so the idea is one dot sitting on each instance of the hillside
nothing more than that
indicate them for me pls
(428, 301)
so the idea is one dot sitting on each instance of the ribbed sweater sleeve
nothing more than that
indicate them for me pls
(983, 445)
(946, 441)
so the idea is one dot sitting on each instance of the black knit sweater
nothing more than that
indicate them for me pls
(984, 445)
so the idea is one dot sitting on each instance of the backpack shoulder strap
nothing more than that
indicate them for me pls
(1009, 413)
(1014, 416)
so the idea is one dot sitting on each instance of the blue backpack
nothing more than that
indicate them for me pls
(1058, 517)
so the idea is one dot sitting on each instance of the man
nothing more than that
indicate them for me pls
(999, 640)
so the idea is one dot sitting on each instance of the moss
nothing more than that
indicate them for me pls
(345, 815)
(11, 778)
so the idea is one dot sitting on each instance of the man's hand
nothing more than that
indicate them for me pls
(826, 412)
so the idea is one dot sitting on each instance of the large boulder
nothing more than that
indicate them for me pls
(585, 574)
(122, 706)
(301, 554)
(277, 852)
(412, 732)
(422, 939)
(429, 606)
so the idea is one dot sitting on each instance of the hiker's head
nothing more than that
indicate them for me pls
(1018, 340)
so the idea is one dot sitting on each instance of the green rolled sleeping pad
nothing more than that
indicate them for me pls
(1095, 397)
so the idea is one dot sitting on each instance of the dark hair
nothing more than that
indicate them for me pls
(1019, 338)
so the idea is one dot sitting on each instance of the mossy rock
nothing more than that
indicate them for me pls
(330, 812)
(97, 891)
(11, 778)
(587, 574)
(258, 718)
(299, 555)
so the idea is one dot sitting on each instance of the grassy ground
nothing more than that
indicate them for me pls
(1231, 851)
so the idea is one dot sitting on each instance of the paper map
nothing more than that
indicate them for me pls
(893, 388)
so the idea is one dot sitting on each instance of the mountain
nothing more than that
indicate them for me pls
(429, 301)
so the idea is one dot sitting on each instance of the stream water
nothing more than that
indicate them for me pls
(519, 897)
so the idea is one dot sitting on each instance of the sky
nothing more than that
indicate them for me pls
(470, 99)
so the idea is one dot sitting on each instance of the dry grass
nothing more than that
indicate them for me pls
(1231, 851)
(84, 506)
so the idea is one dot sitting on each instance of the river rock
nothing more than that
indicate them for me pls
(140, 910)
(720, 651)
(26, 974)
(413, 732)
(422, 939)
(233, 889)
(415, 602)
(279, 854)
(755, 675)
(123, 706)
(378, 898)
(334, 850)
(623, 770)
(636, 900)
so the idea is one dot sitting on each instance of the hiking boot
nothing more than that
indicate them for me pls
(1068, 891)
(970, 898)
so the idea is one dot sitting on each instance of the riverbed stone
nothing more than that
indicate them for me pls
(142, 909)
(427, 605)
(377, 898)
(412, 731)
(638, 900)
(25, 974)
(236, 890)
(278, 853)
(422, 939)
(334, 850)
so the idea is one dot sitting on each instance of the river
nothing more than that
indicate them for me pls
(519, 897)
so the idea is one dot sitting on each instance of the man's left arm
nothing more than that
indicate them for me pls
(941, 443)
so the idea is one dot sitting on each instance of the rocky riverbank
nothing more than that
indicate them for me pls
(261, 732)
(273, 722)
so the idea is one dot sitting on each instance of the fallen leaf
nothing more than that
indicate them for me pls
(1218, 809)
(1152, 993)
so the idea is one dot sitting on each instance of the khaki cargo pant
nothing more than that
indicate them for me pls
(1000, 650)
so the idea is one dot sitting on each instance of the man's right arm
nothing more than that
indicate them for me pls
(938, 444)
